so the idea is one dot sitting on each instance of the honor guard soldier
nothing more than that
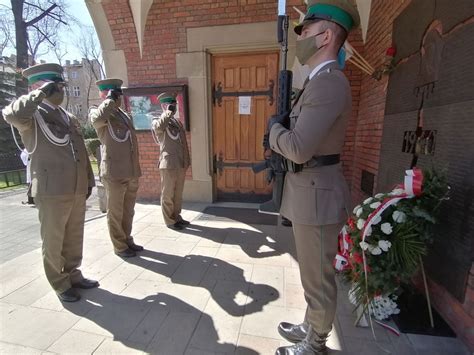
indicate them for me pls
(119, 165)
(174, 160)
(61, 175)
(316, 196)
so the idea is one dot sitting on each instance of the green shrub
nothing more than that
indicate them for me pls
(88, 131)
(92, 144)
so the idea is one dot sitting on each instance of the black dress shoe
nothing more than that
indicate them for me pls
(86, 283)
(134, 247)
(293, 332)
(176, 226)
(69, 295)
(183, 222)
(127, 253)
(286, 222)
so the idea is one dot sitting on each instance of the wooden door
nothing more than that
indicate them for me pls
(237, 138)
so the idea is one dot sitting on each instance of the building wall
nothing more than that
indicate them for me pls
(84, 79)
(365, 152)
(178, 40)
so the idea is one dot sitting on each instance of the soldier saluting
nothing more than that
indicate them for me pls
(61, 175)
(174, 160)
(315, 195)
(119, 166)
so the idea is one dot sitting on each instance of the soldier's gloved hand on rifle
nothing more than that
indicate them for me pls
(114, 94)
(283, 119)
(49, 88)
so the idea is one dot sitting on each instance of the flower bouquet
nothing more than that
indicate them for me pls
(382, 244)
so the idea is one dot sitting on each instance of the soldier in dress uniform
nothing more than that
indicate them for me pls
(174, 161)
(119, 165)
(316, 196)
(61, 175)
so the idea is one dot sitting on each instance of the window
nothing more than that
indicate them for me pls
(76, 91)
(77, 109)
(74, 75)
(68, 93)
(65, 75)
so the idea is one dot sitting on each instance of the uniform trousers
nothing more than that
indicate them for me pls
(62, 232)
(172, 185)
(121, 197)
(316, 247)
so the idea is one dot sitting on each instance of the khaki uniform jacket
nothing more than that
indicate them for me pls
(55, 170)
(318, 195)
(174, 153)
(119, 160)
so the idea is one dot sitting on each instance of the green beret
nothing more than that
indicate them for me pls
(167, 98)
(341, 12)
(109, 84)
(47, 71)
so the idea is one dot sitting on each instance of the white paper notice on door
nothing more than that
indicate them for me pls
(244, 105)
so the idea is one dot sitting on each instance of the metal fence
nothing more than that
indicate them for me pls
(12, 170)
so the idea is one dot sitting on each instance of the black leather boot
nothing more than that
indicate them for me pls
(314, 343)
(293, 332)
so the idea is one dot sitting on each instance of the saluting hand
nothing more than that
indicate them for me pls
(114, 94)
(49, 88)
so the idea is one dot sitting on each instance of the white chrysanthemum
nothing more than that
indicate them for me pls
(399, 216)
(396, 192)
(367, 201)
(359, 212)
(375, 205)
(386, 228)
(360, 223)
(368, 231)
(384, 245)
(382, 307)
(379, 195)
(376, 251)
(376, 220)
(364, 245)
(354, 211)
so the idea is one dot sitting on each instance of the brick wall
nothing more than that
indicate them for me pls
(165, 35)
(371, 97)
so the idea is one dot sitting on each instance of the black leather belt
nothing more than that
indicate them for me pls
(323, 160)
(315, 162)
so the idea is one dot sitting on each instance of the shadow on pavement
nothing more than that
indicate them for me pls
(255, 243)
(225, 282)
(158, 323)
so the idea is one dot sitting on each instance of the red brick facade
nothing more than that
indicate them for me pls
(165, 36)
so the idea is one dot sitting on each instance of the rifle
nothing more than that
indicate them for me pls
(276, 164)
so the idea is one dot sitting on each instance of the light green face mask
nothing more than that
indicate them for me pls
(306, 48)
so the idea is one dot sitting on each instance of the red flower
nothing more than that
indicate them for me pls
(351, 223)
(391, 51)
(357, 258)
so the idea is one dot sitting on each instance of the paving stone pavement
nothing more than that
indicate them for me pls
(219, 287)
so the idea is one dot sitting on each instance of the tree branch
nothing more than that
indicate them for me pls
(44, 35)
(44, 14)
